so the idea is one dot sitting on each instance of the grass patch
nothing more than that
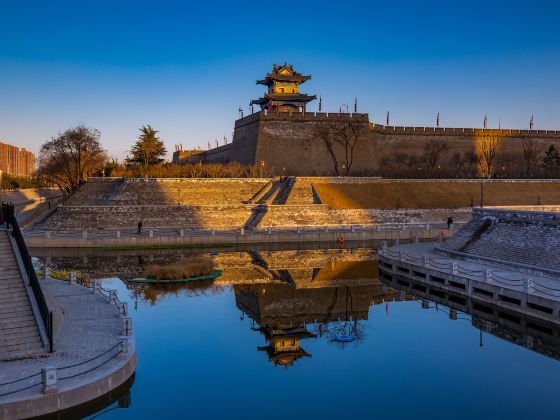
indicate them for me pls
(189, 267)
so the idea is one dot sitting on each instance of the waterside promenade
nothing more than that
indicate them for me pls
(61, 344)
(178, 238)
(94, 353)
(504, 257)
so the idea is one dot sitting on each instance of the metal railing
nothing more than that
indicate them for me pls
(70, 371)
(9, 218)
(308, 229)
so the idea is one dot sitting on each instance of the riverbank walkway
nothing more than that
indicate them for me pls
(61, 344)
(172, 238)
(19, 333)
(421, 267)
(94, 354)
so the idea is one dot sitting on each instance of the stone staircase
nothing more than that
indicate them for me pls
(303, 193)
(284, 191)
(19, 335)
(529, 243)
(462, 238)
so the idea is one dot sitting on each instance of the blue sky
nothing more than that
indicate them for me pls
(185, 68)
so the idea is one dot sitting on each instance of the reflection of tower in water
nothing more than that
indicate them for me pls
(286, 315)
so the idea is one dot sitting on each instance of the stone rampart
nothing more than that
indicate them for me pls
(165, 191)
(101, 218)
(288, 143)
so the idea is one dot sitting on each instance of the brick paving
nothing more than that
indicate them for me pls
(87, 326)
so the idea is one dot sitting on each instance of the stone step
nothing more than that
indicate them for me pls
(28, 337)
(10, 290)
(27, 321)
(9, 271)
(5, 286)
(14, 305)
(23, 349)
(6, 274)
(22, 330)
(14, 311)
(13, 296)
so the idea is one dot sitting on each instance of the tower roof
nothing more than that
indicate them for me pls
(285, 73)
(283, 97)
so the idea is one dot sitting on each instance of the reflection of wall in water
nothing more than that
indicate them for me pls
(238, 267)
(281, 305)
(537, 335)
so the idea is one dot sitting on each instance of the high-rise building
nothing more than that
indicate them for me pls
(15, 161)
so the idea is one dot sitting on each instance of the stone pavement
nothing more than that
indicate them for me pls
(509, 278)
(87, 351)
(19, 335)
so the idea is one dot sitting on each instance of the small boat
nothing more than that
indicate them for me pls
(214, 274)
(343, 338)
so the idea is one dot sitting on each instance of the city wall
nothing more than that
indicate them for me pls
(288, 143)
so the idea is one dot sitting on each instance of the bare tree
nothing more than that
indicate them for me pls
(487, 146)
(341, 140)
(69, 159)
(395, 164)
(532, 149)
(464, 164)
(434, 151)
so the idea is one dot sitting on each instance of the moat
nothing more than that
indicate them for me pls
(315, 332)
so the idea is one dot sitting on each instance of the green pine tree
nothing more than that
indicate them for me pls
(148, 149)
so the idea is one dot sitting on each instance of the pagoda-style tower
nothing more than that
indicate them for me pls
(283, 91)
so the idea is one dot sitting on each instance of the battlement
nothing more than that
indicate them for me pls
(447, 131)
(392, 129)
(299, 116)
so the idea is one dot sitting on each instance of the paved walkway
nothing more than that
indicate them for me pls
(19, 335)
(86, 347)
(509, 278)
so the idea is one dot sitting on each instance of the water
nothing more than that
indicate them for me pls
(203, 352)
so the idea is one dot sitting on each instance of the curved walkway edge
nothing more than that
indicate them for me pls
(95, 353)
(72, 397)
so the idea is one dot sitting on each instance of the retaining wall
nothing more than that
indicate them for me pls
(207, 238)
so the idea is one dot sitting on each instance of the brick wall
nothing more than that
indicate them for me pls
(288, 142)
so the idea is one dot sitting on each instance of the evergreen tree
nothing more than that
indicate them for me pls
(551, 160)
(148, 149)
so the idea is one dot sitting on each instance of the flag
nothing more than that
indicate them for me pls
(437, 120)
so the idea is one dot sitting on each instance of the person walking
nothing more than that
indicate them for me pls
(449, 222)
(139, 228)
